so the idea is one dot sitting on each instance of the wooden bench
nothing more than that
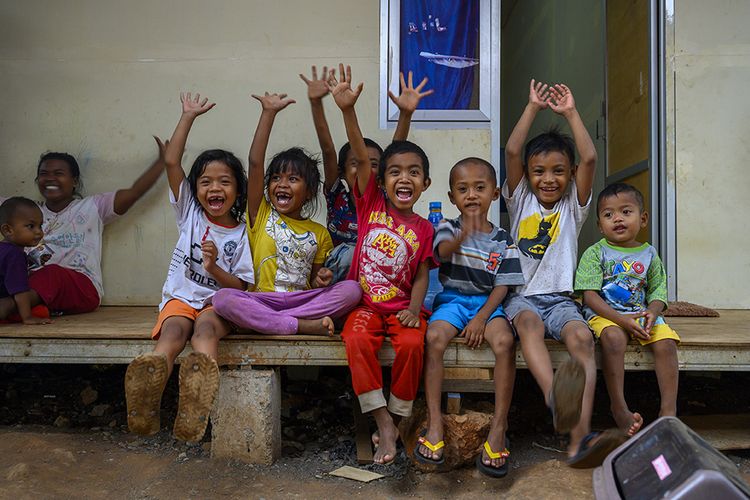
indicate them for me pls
(249, 397)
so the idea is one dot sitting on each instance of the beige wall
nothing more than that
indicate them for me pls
(711, 129)
(96, 79)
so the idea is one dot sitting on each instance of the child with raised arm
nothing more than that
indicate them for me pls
(392, 258)
(66, 276)
(293, 291)
(548, 198)
(340, 174)
(21, 227)
(478, 264)
(624, 290)
(212, 252)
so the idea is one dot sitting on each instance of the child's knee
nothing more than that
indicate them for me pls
(174, 332)
(614, 339)
(412, 344)
(578, 337)
(527, 322)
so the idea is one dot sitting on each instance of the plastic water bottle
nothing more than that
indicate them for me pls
(434, 287)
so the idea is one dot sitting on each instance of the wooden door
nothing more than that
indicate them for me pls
(628, 110)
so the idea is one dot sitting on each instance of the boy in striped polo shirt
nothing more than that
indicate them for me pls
(478, 263)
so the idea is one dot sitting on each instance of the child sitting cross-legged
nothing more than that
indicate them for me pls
(212, 252)
(293, 293)
(391, 262)
(624, 290)
(21, 227)
(478, 262)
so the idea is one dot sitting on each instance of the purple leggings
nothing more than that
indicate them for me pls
(276, 313)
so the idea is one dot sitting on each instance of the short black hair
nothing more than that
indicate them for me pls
(300, 162)
(547, 142)
(399, 147)
(235, 165)
(477, 161)
(347, 147)
(619, 188)
(75, 170)
(10, 207)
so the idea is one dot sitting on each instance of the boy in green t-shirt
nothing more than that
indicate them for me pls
(624, 290)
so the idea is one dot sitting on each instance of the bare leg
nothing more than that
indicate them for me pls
(500, 338)
(7, 307)
(580, 344)
(614, 341)
(531, 333)
(175, 332)
(388, 434)
(209, 328)
(439, 334)
(667, 374)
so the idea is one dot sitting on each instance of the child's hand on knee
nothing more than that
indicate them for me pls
(474, 332)
(632, 325)
(408, 318)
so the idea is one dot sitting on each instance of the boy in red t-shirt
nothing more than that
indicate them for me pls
(391, 262)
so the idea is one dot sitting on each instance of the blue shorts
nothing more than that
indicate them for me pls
(554, 309)
(458, 309)
(339, 261)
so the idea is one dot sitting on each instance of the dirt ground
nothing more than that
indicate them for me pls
(63, 434)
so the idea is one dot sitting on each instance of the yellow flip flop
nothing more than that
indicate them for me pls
(422, 441)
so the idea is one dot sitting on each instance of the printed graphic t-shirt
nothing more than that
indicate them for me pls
(342, 213)
(484, 260)
(628, 279)
(547, 239)
(14, 276)
(187, 280)
(285, 249)
(389, 250)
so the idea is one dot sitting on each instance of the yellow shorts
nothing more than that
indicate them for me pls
(176, 308)
(659, 331)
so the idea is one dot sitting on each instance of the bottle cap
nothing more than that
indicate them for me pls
(436, 205)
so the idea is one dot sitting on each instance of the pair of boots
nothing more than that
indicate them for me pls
(145, 380)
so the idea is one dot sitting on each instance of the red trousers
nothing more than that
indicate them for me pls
(64, 290)
(363, 334)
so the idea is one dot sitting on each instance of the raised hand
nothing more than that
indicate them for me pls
(316, 88)
(162, 147)
(561, 99)
(209, 254)
(539, 94)
(194, 106)
(273, 102)
(410, 96)
(341, 89)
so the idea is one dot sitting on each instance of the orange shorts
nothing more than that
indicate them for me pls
(176, 308)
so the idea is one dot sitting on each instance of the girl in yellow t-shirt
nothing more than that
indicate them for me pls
(293, 291)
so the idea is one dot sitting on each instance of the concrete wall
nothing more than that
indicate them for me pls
(711, 125)
(96, 79)
(556, 42)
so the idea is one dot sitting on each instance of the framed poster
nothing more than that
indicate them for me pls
(453, 43)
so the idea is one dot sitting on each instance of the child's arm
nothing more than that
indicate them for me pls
(445, 249)
(474, 330)
(562, 103)
(210, 253)
(410, 317)
(538, 100)
(191, 109)
(271, 104)
(407, 103)
(317, 89)
(628, 322)
(23, 304)
(126, 198)
(345, 98)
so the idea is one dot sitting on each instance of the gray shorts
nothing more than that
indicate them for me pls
(554, 309)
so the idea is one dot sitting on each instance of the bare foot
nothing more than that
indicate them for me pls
(37, 321)
(323, 326)
(375, 440)
(386, 451)
(7, 306)
(628, 422)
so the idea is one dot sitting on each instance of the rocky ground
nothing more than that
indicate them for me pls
(64, 434)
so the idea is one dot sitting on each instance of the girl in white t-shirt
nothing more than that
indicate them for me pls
(212, 252)
(66, 271)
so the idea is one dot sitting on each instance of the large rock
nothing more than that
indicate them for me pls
(464, 436)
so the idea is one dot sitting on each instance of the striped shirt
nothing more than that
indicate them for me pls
(484, 260)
